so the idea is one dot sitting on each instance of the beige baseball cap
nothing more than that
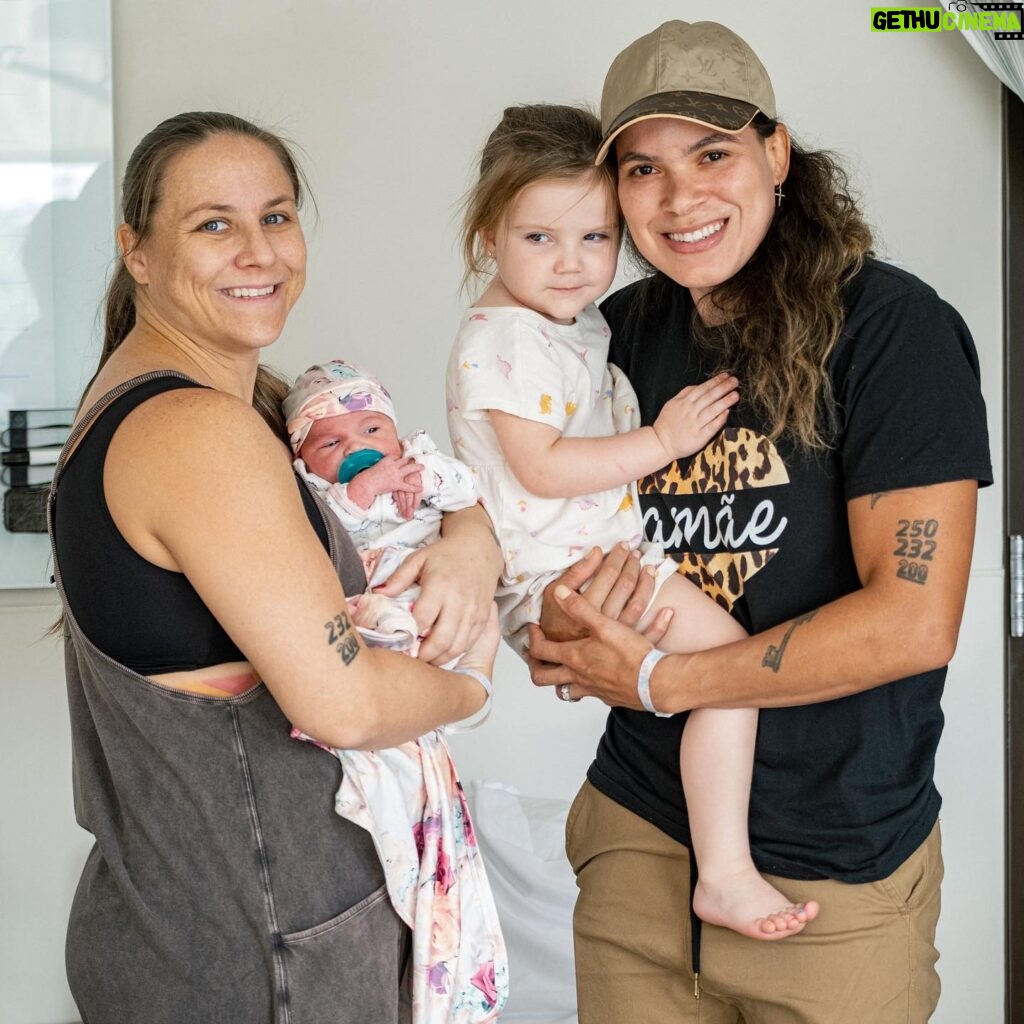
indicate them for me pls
(699, 71)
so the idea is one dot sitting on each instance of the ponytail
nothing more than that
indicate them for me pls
(267, 397)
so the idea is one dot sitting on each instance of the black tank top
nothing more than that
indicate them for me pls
(162, 624)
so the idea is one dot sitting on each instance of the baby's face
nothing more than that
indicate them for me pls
(332, 439)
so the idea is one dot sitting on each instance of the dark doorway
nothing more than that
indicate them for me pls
(1013, 475)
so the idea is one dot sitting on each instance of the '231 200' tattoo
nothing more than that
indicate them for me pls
(342, 637)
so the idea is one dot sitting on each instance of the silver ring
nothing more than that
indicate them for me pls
(562, 689)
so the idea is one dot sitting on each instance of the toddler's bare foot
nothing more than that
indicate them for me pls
(746, 903)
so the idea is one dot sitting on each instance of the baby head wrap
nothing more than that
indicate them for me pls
(332, 389)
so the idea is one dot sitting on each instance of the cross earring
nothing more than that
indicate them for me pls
(779, 195)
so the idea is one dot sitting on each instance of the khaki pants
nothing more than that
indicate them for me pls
(868, 958)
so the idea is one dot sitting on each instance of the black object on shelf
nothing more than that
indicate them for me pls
(24, 419)
(25, 509)
(34, 437)
(25, 476)
(31, 456)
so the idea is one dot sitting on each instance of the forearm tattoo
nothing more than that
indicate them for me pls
(342, 637)
(916, 545)
(773, 656)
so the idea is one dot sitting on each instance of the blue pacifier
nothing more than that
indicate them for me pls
(357, 462)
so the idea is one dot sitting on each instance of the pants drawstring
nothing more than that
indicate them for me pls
(695, 925)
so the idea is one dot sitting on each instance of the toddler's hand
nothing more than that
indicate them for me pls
(689, 420)
(401, 477)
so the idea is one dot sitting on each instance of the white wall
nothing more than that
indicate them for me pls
(390, 102)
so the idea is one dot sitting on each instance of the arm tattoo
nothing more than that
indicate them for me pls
(773, 656)
(342, 637)
(915, 548)
(877, 497)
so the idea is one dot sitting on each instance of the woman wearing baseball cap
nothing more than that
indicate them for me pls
(834, 516)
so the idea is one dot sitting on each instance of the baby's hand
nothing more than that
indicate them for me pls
(398, 476)
(689, 420)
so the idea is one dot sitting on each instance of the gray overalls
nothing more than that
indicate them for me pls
(222, 886)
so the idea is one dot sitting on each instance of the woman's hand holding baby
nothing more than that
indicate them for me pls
(458, 575)
(483, 650)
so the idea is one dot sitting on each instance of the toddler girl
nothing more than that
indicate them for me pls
(552, 432)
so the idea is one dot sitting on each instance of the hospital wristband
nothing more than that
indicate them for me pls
(481, 716)
(643, 682)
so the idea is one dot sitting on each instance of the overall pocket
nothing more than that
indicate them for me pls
(347, 970)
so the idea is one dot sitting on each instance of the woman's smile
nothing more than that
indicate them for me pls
(697, 235)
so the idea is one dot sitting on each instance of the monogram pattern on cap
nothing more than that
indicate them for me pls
(695, 103)
(715, 110)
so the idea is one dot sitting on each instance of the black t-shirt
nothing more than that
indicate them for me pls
(842, 789)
